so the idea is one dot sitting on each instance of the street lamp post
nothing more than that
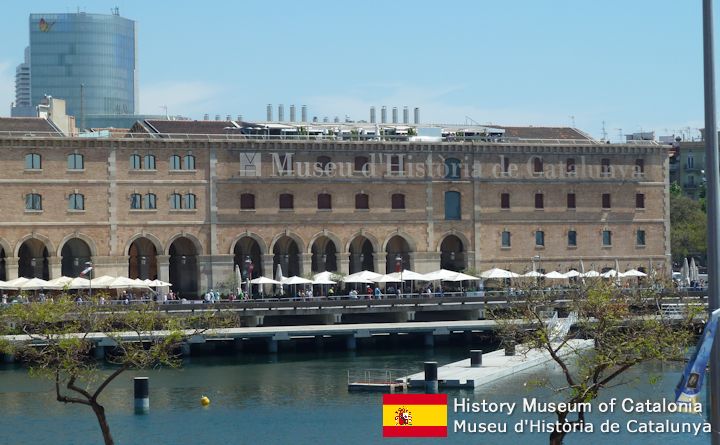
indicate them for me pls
(89, 268)
(713, 194)
(536, 262)
(248, 272)
(399, 268)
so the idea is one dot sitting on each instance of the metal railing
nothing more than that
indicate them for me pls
(231, 135)
(375, 376)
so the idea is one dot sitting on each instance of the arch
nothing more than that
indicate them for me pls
(89, 241)
(183, 264)
(255, 236)
(294, 236)
(326, 233)
(43, 239)
(370, 237)
(33, 261)
(324, 254)
(150, 237)
(408, 239)
(361, 251)
(250, 247)
(460, 235)
(75, 252)
(142, 258)
(4, 245)
(196, 242)
(397, 253)
(453, 253)
(3, 264)
(4, 252)
(286, 252)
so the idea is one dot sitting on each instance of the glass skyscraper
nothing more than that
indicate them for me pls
(87, 59)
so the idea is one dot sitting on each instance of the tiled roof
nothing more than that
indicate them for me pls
(188, 127)
(35, 125)
(543, 132)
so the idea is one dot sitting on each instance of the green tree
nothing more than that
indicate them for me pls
(624, 336)
(688, 228)
(55, 339)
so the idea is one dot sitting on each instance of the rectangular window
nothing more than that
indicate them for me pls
(189, 201)
(175, 201)
(639, 167)
(506, 239)
(640, 238)
(247, 201)
(136, 201)
(571, 200)
(572, 238)
(605, 168)
(33, 201)
(607, 238)
(570, 168)
(135, 162)
(396, 165)
(639, 200)
(538, 167)
(452, 206)
(189, 162)
(33, 161)
(398, 201)
(361, 163)
(505, 200)
(539, 238)
(149, 162)
(286, 201)
(505, 162)
(606, 200)
(174, 162)
(539, 201)
(324, 201)
(362, 202)
(76, 202)
(75, 162)
(150, 201)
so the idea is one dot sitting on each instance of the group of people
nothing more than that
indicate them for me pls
(377, 294)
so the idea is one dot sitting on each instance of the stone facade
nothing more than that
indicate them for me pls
(448, 199)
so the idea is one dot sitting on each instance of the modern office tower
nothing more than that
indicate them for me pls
(89, 60)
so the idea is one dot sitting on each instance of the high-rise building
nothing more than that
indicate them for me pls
(23, 105)
(89, 60)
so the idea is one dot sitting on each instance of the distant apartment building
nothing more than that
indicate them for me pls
(23, 103)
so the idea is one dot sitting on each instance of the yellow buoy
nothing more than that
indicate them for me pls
(204, 401)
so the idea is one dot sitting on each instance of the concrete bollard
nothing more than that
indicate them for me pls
(431, 378)
(142, 395)
(476, 358)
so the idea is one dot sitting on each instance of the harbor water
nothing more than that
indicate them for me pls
(299, 398)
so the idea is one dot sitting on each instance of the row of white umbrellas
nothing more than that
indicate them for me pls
(555, 275)
(369, 277)
(102, 282)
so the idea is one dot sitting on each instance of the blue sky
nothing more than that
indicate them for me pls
(637, 65)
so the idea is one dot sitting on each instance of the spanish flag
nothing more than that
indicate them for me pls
(414, 415)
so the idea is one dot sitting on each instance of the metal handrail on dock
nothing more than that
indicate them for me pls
(373, 379)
